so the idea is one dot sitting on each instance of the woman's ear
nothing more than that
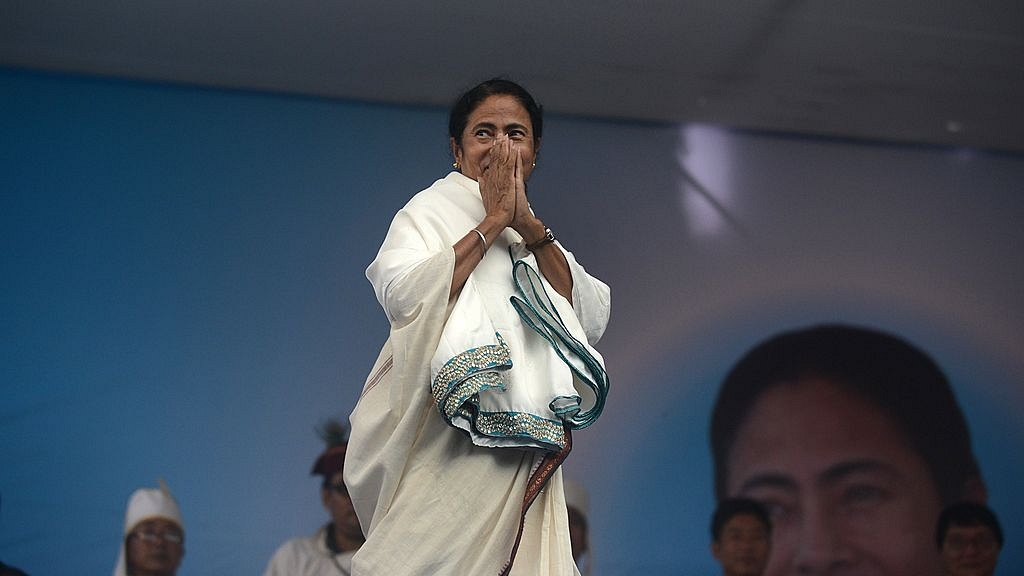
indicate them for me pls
(456, 151)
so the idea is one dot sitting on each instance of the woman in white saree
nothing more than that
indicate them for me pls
(453, 461)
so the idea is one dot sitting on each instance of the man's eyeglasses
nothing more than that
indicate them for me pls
(982, 543)
(147, 536)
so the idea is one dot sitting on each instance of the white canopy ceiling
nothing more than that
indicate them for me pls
(947, 73)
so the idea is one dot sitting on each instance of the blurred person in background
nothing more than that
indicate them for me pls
(970, 538)
(154, 535)
(741, 533)
(329, 551)
(577, 501)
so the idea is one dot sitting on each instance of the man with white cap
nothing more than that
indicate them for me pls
(328, 552)
(154, 535)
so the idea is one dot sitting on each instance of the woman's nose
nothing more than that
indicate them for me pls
(821, 547)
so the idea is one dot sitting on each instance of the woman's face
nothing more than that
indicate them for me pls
(498, 115)
(848, 492)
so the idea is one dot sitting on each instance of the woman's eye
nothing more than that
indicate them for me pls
(781, 509)
(517, 134)
(483, 134)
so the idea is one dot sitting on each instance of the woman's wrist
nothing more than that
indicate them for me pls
(534, 233)
(547, 238)
(490, 229)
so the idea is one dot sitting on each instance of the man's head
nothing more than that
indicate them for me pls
(970, 538)
(330, 465)
(154, 535)
(853, 440)
(577, 504)
(741, 536)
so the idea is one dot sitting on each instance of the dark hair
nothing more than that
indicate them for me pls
(967, 514)
(885, 370)
(731, 507)
(469, 101)
(577, 516)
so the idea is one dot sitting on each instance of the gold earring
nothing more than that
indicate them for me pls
(455, 164)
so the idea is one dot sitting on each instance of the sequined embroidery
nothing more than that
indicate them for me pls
(457, 387)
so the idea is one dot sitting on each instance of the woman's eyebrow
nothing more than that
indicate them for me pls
(844, 470)
(493, 126)
(769, 480)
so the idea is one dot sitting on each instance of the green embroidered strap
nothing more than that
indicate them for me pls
(537, 311)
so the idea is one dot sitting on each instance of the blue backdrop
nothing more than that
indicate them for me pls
(183, 297)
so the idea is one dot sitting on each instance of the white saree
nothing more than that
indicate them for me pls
(466, 399)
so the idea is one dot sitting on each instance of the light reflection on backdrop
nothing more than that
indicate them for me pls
(706, 191)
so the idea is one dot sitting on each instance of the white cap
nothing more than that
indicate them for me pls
(147, 504)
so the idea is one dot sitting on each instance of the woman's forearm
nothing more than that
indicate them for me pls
(470, 250)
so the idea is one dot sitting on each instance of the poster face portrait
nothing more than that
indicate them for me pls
(839, 431)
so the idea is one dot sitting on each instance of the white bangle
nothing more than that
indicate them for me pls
(483, 240)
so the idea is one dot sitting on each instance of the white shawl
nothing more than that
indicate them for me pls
(431, 500)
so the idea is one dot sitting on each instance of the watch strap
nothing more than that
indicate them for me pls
(548, 238)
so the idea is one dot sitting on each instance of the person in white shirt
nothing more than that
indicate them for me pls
(329, 551)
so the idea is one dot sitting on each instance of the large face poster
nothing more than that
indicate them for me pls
(184, 298)
(768, 236)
